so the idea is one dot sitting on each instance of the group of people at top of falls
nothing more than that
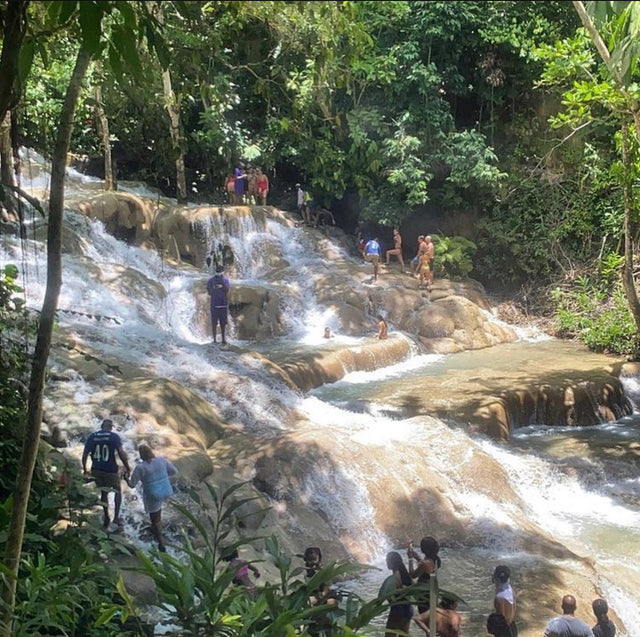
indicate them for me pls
(421, 264)
(247, 185)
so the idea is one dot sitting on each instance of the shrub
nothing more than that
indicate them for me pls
(453, 256)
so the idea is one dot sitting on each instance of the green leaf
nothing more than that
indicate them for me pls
(127, 13)
(26, 58)
(63, 11)
(106, 616)
(90, 19)
(42, 52)
(157, 43)
(115, 61)
(125, 42)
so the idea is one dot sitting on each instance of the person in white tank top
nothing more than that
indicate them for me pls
(504, 601)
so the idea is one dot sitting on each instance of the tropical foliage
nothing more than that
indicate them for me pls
(509, 115)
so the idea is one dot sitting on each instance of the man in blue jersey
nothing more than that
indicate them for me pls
(102, 446)
(218, 287)
(372, 254)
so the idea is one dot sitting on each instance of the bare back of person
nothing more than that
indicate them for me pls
(447, 622)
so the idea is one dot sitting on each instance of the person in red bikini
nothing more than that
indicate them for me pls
(263, 187)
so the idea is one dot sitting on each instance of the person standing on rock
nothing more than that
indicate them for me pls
(400, 611)
(218, 287)
(240, 184)
(504, 601)
(383, 328)
(397, 249)
(431, 253)
(230, 188)
(372, 255)
(567, 624)
(103, 446)
(263, 187)
(426, 566)
(422, 248)
(155, 473)
(424, 272)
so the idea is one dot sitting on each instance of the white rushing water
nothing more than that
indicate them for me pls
(586, 500)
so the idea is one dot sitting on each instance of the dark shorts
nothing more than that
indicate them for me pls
(219, 315)
(107, 481)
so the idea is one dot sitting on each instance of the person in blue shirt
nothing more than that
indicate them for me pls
(218, 287)
(103, 446)
(155, 474)
(372, 254)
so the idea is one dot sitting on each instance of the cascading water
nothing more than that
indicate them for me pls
(553, 501)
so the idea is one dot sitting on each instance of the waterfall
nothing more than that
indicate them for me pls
(559, 505)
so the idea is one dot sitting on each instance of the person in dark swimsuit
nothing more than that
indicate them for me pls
(425, 566)
(605, 627)
(400, 612)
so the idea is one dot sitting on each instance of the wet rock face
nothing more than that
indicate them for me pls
(125, 216)
(591, 402)
(455, 316)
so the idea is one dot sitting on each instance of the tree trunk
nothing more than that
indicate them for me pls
(103, 130)
(10, 205)
(7, 175)
(627, 274)
(177, 136)
(43, 343)
(15, 26)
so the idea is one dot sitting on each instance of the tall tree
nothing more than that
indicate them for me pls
(621, 63)
(102, 122)
(14, 24)
(124, 34)
(43, 343)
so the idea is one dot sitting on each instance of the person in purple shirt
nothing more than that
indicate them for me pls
(240, 184)
(102, 446)
(218, 287)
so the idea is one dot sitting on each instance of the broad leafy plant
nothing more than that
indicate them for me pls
(196, 590)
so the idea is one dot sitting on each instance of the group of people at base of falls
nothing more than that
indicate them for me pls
(247, 185)
(421, 263)
(154, 473)
(448, 621)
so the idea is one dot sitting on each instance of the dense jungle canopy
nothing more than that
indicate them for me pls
(509, 130)
(435, 116)
(434, 112)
